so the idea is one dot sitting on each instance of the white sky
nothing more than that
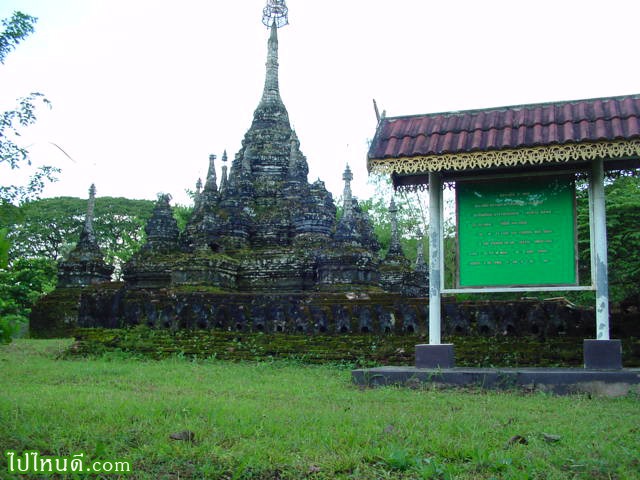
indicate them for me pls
(144, 90)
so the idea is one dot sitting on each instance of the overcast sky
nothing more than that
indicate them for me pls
(144, 90)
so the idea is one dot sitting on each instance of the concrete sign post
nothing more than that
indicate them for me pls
(601, 353)
(435, 354)
(600, 250)
(435, 251)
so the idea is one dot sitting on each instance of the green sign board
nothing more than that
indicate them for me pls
(516, 232)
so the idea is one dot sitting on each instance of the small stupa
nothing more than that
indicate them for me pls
(85, 264)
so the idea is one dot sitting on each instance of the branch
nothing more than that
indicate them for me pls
(16, 29)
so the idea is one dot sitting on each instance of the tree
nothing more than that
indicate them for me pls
(4, 247)
(412, 215)
(20, 287)
(623, 236)
(16, 29)
(12, 154)
(49, 228)
(182, 214)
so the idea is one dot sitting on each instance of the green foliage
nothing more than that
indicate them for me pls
(182, 214)
(20, 286)
(24, 282)
(411, 215)
(119, 226)
(5, 245)
(50, 227)
(15, 29)
(623, 236)
(9, 326)
(12, 154)
(623, 230)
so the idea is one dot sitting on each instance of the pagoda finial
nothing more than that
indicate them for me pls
(275, 14)
(395, 238)
(87, 239)
(271, 93)
(211, 183)
(271, 110)
(223, 180)
(198, 194)
(91, 205)
(347, 176)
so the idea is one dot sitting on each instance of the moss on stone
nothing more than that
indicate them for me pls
(473, 351)
(55, 315)
(204, 289)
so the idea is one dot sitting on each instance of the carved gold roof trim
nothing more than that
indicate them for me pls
(507, 158)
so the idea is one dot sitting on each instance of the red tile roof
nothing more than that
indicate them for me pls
(508, 127)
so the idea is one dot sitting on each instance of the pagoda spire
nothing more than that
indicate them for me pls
(223, 180)
(85, 265)
(87, 239)
(211, 183)
(274, 15)
(347, 196)
(271, 92)
(394, 247)
(91, 206)
(198, 194)
(266, 147)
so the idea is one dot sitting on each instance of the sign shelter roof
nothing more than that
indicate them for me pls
(518, 138)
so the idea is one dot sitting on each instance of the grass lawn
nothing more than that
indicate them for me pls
(279, 420)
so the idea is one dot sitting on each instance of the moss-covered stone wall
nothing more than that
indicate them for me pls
(315, 313)
(358, 349)
(209, 308)
(55, 315)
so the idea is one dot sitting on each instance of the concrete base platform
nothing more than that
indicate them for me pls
(435, 356)
(602, 354)
(561, 381)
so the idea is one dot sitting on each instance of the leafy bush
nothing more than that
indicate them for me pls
(20, 286)
(9, 327)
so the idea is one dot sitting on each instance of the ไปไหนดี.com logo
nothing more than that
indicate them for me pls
(33, 462)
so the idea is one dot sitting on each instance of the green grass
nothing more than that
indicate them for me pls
(279, 420)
